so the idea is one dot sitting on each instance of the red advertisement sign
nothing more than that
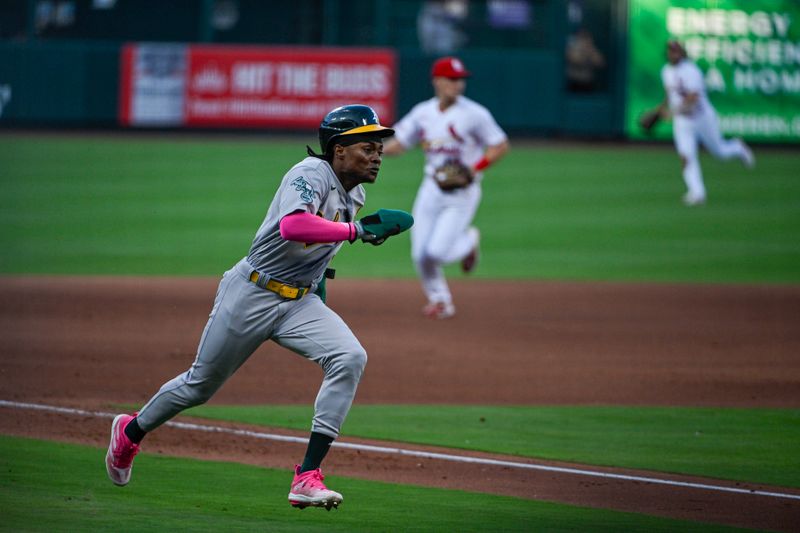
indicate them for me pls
(229, 86)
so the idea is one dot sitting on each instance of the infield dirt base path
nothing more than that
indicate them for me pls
(90, 343)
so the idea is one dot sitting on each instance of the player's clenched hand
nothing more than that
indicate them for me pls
(379, 226)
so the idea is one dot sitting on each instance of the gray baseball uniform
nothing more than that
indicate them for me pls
(247, 311)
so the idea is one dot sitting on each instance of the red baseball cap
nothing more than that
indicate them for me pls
(449, 67)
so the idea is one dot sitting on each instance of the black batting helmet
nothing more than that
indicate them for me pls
(358, 120)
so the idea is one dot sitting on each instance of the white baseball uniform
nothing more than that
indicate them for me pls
(697, 123)
(442, 233)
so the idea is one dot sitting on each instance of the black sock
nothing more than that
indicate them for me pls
(318, 446)
(134, 432)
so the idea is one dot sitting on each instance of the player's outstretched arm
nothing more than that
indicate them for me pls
(305, 227)
(381, 225)
(374, 228)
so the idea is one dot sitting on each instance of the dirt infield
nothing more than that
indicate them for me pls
(92, 342)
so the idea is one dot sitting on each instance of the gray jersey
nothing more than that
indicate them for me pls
(309, 186)
(244, 314)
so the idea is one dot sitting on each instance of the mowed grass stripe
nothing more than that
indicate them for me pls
(187, 206)
(63, 487)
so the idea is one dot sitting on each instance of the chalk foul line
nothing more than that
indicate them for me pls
(415, 453)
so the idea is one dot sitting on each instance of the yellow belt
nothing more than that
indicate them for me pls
(282, 289)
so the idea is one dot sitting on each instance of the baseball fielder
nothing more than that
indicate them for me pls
(694, 121)
(277, 292)
(460, 139)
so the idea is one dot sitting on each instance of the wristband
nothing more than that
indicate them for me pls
(480, 165)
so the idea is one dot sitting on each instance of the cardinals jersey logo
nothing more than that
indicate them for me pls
(454, 133)
(449, 145)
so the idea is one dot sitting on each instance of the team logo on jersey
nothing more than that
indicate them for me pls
(444, 146)
(454, 134)
(306, 192)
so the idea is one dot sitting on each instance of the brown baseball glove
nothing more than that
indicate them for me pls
(453, 175)
(649, 119)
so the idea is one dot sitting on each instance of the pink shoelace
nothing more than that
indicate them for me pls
(124, 450)
(312, 479)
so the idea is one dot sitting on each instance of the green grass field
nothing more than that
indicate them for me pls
(188, 206)
(62, 487)
(755, 445)
(160, 205)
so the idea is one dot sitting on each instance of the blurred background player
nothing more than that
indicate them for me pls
(448, 127)
(274, 293)
(694, 121)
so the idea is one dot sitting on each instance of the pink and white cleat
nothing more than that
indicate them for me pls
(308, 490)
(121, 452)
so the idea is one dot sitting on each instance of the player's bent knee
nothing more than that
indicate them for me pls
(421, 257)
(352, 363)
(434, 257)
(349, 362)
(356, 361)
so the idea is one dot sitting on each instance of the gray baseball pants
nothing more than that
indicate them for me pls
(243, 317)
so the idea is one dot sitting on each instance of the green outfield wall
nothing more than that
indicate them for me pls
(61, 84)
(62, 68)
(749, 51)
(77, 84)
(70, 75)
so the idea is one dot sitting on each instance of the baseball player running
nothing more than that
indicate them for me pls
(277, 293)
(460, 139)
(694, 121)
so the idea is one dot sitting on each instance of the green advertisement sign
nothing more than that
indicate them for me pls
(749, 51)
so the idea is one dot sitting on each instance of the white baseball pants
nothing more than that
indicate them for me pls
(688, 133)
(441, 234)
